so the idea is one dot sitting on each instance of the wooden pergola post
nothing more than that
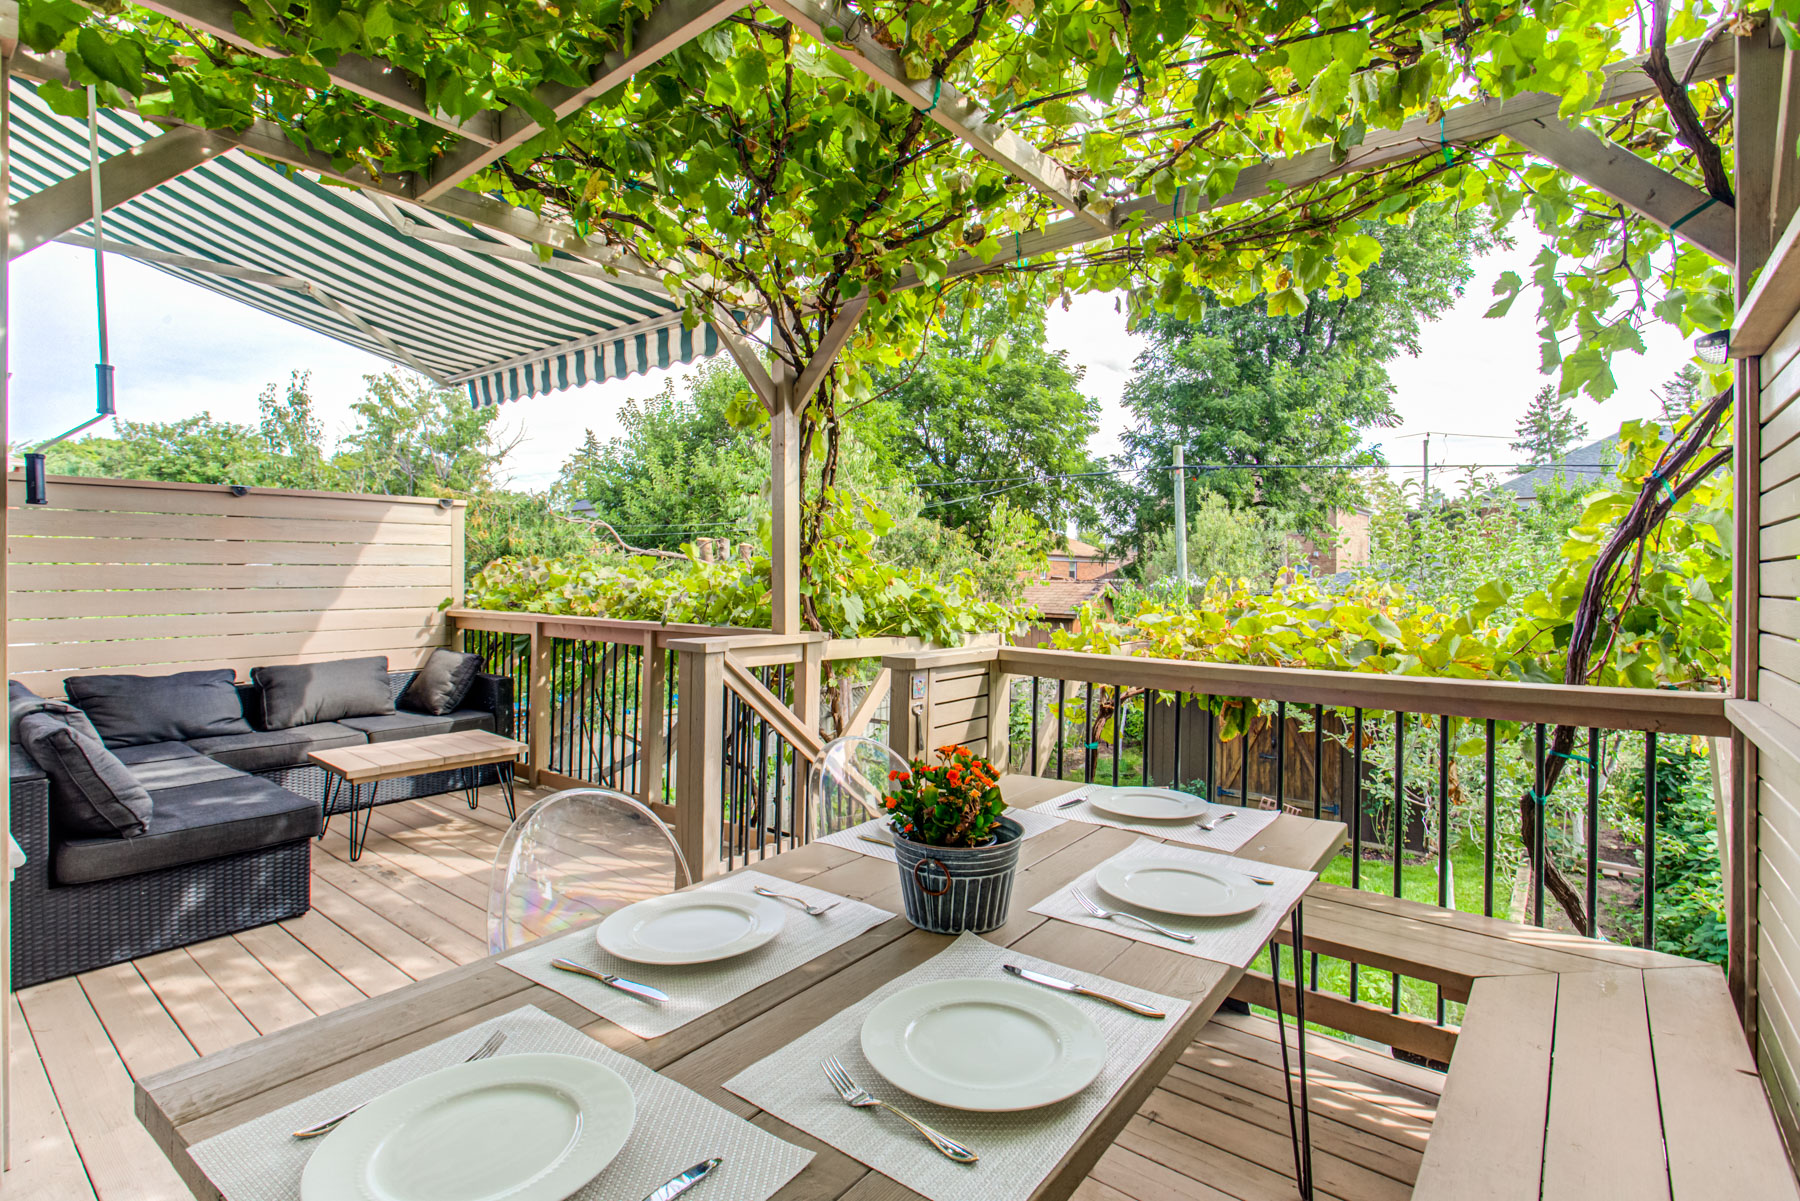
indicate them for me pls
(785, 393)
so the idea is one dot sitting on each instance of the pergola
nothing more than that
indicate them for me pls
(432, 207)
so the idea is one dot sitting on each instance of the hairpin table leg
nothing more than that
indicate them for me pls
(1299, 1118)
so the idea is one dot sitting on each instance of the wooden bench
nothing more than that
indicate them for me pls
(1582, 1069)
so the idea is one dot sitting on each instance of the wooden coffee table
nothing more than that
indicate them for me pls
(370, 764)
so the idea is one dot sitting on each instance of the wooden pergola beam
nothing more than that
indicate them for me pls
(370, 78)
(947, 106)
(669, 25)
(1474, 122)
(67, 204)
(1676, 205)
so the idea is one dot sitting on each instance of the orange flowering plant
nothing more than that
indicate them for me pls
(952, 803)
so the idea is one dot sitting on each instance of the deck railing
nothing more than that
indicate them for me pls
(1468, 760)
(620, 703)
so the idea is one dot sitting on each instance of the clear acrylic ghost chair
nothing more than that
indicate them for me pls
(847, 782)
(574, 856)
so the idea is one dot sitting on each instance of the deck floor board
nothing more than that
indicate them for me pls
(415, 905)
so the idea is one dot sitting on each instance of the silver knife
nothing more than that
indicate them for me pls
(685, 1181)
(1081, 990)
(880, 842)
(1076, 801)
(618, 982)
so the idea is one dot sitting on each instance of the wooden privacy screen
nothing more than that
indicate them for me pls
(147, 578)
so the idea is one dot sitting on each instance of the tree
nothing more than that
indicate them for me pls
(414, 438)
(679, 470)
(1682, 395)
(1270, 409)
(1249, 544)
(1549, 429)
(986, 409)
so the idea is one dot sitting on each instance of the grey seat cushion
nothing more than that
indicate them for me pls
(440, 686)
(178, 772)
(301, 694)
(137, 710)
(150, 752)
(392, 727)
(267, 750)
(92, 794)
(194, 823)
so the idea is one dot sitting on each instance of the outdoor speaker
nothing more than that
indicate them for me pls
(37, 492)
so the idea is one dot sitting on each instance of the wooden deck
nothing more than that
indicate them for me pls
(415, 904)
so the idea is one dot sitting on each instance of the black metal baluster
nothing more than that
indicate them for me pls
(1144, 772)
(1281, 775)
(1318, 765)
(1443, 832)
(671, 667)
(1212, 746)
(1356, 853)
(1118, 729)
(1487, 850)
(1090, 747)
(1180, 702)
(1399, 828)
(1650, 800)
(1539, 804)
(1593, 833)
(1249, 739)
(1034, 724)
(1062, 725)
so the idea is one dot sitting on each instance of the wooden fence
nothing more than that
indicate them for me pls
(149, 578)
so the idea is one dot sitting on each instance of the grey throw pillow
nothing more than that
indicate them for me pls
(299, 694)
(442, 683)
(139, 710)
(21, 700)
(92, 794)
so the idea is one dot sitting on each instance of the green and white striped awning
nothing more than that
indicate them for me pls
(463, 305)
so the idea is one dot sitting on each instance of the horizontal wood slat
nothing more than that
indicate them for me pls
(81, 523)
(151, 577)
(176, 601)
(154, 496)
(193, 551)
(145, 651)
(40, 577)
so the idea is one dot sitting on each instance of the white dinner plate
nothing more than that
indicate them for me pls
(1179, 887)
(691, 927)
(508, 1128)
(1147, 804)
(989, 1045)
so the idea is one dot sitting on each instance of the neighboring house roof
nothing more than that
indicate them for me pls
(1063, 598)
(1077, 549)
(1584, 467)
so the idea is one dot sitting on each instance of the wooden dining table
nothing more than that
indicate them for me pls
(209, 1096)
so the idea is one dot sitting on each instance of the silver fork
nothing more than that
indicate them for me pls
(859, 1098)
(812, 910)
(329, 1124)
(1087, 903)
(1213, 823)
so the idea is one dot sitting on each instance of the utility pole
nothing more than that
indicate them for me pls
(1425, 495)
(1181, 525)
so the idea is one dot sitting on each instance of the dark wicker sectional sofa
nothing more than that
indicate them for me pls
(230, 841)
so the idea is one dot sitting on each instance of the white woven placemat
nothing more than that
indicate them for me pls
(697, 989)
(675, 1127)
(1033, 821)
(1244, 825)
(1017, 1150)
(1230, 940)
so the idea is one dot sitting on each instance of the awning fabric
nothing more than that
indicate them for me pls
(333, 260)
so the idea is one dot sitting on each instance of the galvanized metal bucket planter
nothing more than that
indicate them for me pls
(951, 889)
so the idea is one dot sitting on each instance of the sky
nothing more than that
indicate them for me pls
(179, 349)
